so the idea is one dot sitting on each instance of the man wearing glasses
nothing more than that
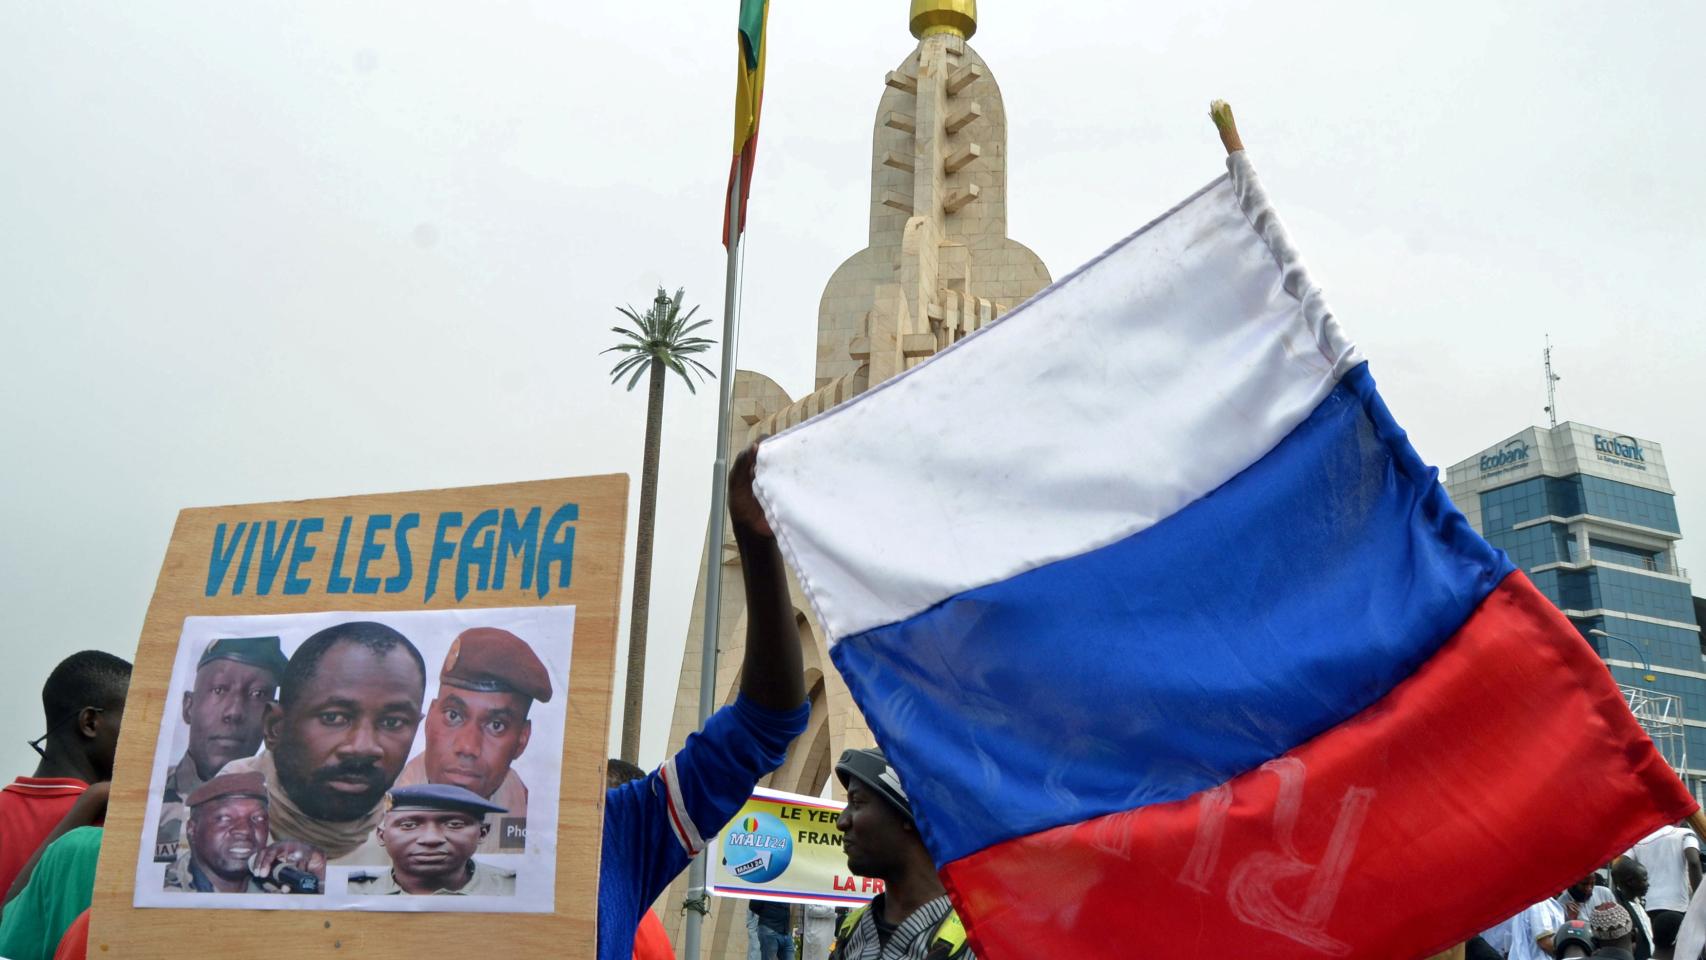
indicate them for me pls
(82, 704)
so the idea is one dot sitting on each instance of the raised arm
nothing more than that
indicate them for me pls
(772, 674)
(656, 823)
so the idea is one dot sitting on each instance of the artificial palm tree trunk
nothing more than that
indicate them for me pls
(634, 699)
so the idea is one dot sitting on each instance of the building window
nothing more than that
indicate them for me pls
(1605, 551)
(1507, 506)
(1664, 646)
(1536, 546)
(1630, 504)
(1631, 592)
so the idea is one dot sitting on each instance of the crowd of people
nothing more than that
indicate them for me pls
(654, 823)
(1632, 910)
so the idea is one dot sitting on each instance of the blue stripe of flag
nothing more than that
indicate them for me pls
(1278, 606)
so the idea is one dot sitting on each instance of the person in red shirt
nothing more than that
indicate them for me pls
(75, 944)
(83, 703)
(650, 940)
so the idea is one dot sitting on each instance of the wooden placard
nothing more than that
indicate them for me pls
(447, 532)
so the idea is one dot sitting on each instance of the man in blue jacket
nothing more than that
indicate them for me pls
(654, 826)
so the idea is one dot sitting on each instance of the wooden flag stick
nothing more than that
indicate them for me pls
(1221, 113)
(1697, 820)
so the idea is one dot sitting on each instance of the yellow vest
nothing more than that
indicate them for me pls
(952, 932)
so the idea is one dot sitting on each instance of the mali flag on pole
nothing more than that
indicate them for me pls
(749, 98)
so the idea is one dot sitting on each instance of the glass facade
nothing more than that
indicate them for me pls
(1618, 581)
(1534, 546)
(1611, 588)
(1661, 646)
(1508, 506)
(1605, 551)
(1620, 501)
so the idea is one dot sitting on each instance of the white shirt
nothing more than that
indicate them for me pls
(1499, 937)
(1691, 939)
(1661, 852)
(1598, 896)
(1541, 920)
(819, 932)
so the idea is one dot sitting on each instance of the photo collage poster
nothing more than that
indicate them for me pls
(361, 761)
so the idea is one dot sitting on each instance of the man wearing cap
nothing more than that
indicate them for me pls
(477, 726)
(653, 826)
(234, 681)
(1613, 932)
(228, 846)
(430, 832)
(912, 917)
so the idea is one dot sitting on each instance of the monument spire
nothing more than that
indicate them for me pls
(937, 266)
(953, 17)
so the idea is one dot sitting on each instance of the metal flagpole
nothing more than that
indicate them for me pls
(697, 901)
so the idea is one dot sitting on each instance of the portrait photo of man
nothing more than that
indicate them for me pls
(430, 833)
(228, 846)
(349, 704)
(477, 726)
(235, 680)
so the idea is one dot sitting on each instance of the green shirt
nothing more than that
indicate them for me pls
(61, 887)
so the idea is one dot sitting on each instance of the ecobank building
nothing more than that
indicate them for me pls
(1589, 514)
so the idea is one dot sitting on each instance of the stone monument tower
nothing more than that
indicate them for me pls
(937, 265)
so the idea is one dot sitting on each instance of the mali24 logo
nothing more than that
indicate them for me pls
(758, 849)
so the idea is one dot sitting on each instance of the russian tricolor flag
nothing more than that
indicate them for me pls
(1179, 646)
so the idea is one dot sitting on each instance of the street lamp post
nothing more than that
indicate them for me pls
(1646, 664)
(1659, 714)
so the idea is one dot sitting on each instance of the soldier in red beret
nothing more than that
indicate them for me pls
(477, 726)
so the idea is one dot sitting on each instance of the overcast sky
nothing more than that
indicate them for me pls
(255, 252)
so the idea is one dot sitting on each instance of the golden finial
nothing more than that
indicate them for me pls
(956, 17)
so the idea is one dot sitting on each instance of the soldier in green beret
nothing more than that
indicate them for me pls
(235, 680)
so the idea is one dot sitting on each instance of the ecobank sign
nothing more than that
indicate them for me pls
(1624, 451)
(1511, 455)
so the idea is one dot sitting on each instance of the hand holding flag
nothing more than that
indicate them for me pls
(744, 509)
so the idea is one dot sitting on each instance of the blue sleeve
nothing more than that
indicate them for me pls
(653, 825)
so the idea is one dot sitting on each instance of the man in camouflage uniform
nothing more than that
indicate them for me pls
(228, 847)
(235, 680)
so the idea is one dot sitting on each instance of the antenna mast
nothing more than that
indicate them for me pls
(1551, 384)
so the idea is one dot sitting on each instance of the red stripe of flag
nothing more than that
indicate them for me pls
(1503, 770)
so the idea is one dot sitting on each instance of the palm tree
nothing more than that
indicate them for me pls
(658, 343)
